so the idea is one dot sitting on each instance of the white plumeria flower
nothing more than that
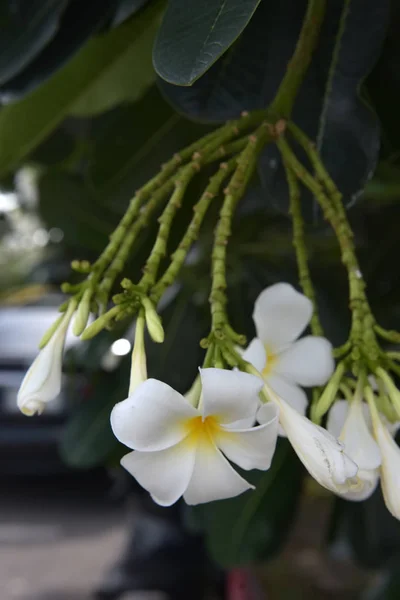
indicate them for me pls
(390, 453)
(280, 316)
(183, 450)
(351, 424)
(390, 468)
(321, 453)
(42, 382)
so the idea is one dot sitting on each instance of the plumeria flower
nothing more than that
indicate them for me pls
(321, 453)
(280, 316)
(42, 382)
(368, 438)
(179, 449)
(351, 423)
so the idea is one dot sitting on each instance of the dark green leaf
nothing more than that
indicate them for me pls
(25, 28)
(346, 122)
(77, 24)
(131, 142)
(126, 9)
(66, 203)
(248, 75)
(329, 107)
(383, 84)
(87, 439)
(253, 526)
(194, 35)
(26, 123)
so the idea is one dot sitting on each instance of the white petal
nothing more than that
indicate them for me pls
(255, 354)
(291, 393)
(390, 468)
(153, 418)
(251, 448)
(280, 315)
(357, 438)
(165, 474)
(322, 455)
(213, 477)
(230, 396)
(242, 423)
(364, 486)
(308, 361)
(42, 382)
(337, 417)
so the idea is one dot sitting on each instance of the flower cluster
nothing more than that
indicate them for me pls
(184, 445)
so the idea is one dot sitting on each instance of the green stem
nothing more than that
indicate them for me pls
(159, 249)
(358, 301)
(192, 232)
(233, 193)
(300, 61)
(388, 335)
(119, 260)
(301, 250)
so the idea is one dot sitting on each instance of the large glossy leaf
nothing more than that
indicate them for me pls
(87, 440)
(194, 35)
(77, 24)
(345, 129)
(65, 202)
(126, 9)
(26, 123)
(25, 28)
(128, 79)
(130, 143)
(253, 526)
(248, 75)
(328, 106)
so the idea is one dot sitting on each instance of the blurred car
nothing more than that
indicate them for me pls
(28, 445)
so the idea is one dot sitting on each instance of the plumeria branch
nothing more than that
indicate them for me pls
(222, 337)
(299, 244)
(362, 352)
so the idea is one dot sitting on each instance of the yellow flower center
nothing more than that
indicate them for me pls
(270, 362)
(200, 430)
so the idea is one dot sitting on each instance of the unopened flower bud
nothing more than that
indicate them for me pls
(82, 314)
(153, 322)
(138, 364)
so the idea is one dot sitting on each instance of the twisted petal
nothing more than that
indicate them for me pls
(251, 448)
(213, 477)
(289, 392)
(153, 418)
(165, 474)
(280, 315)
(229, 396)
(355, 434)
(390, 468)
(42, 382)
(352, 425)
(308, 361)
(322, 455)
(363, 487)
(255, 354)
(337, 417)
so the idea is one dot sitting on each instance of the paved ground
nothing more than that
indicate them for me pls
(54, 545)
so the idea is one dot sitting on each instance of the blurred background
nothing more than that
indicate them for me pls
(84, 122)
